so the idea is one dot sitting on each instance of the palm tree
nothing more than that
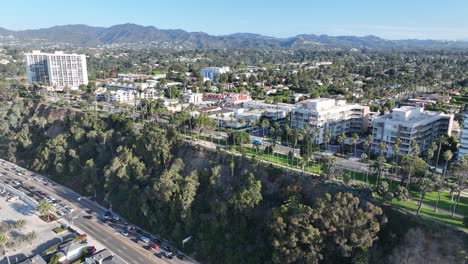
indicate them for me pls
(415, 152)
(381, 160)
(396, 152)
(365, 159)
(368, 144)
(443, 140)
(424, 185)
(448, 155)
(354, 140)
(45, 208)
(341, 139)
(3, 241)
(327, 139)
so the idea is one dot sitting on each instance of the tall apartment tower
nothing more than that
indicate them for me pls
(57, 69)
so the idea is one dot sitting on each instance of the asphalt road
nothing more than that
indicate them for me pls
(129, 249)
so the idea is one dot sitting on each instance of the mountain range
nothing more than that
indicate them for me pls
(128, 34)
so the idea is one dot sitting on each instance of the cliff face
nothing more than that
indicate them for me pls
(405, 238)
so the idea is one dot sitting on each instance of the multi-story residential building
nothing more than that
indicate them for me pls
(211, 72)
(409, 123)
(122, 96)
(57, 69)
(192, 98)
(270, 111)
(332, 115)
(463, 148)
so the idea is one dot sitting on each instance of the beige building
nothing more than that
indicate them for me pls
(332, 115)
(410, 123)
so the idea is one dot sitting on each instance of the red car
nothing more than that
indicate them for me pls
(154, 246)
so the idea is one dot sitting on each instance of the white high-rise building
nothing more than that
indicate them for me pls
(463, 148)
(410, 123)
(57, 69)
(332, 115)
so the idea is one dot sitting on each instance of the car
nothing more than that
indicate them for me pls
(115, 218)
(107, 214)
(159, 255)
(157, 241)
(124, 232)
(88, 216)
(180, 256)
(89, 211)
(168, 255)
(257, 142)
(166, 247)
(154, 246)
(144, 239)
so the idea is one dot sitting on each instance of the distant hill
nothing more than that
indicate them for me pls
(88, 36)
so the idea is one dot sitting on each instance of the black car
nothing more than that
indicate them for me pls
(180, 256)
(159, 255)
(157, 241)
(88, 216)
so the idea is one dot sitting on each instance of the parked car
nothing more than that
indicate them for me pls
(154, 246)
(144, 239)
(124, 232)
(257, 142)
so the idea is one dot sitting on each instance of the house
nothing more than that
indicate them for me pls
(70, 251)
(33, 260)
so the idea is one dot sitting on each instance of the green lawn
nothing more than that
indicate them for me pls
(428, 212)
(360, 177)
(278, 158)
(445, 202)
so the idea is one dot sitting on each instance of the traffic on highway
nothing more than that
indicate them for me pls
(130, 243)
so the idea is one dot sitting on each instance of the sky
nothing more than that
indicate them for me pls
(390, 19)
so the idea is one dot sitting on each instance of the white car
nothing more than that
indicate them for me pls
(144, 239)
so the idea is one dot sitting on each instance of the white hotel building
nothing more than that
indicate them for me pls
(332, 115)
(410, 123)
(57, 69)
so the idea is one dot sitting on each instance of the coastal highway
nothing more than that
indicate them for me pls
(127, 248)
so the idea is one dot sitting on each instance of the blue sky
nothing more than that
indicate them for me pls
(392, 19)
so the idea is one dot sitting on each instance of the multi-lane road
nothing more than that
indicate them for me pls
(130, 249)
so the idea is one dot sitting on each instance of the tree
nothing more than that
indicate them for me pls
(443, 140)
(346, 223)
(3, 241)
(249, 194)
(327, 139)
(368, 143)
(460, 172)
(401, 193)
(295, 239)
(328, 168)
(354, 140)
(424, 185)
(341, 139)
(383, 189)
(45, 209)
(448, 155)
(396, 152)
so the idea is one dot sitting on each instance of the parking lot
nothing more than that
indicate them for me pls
(16, 210)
